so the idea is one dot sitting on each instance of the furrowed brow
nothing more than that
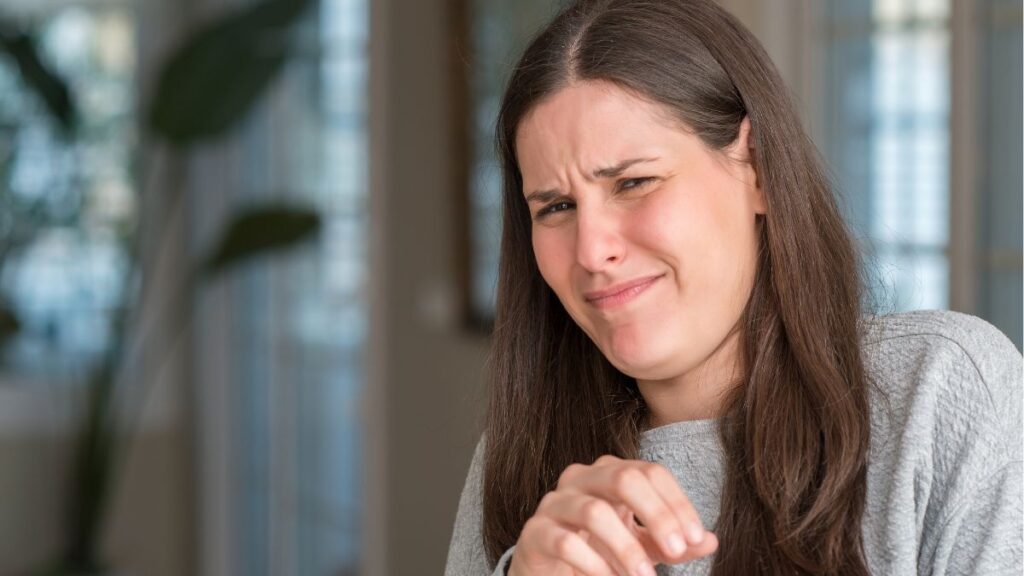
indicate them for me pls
(543, 196)
(616, 170)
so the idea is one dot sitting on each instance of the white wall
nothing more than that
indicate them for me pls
(426, 371)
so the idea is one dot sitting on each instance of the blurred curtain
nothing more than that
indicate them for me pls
(279, 345)
(887, 109)
(935, 214)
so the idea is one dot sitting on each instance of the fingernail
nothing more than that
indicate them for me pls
(644, 569)
(695, 533)
(675, 545)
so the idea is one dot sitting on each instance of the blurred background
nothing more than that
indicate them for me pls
(248, 248)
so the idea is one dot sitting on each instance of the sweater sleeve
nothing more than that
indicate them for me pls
(466, 554)
(985, 530)
(982, 523)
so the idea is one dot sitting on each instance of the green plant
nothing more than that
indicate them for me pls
(21, 218)
(206, 88)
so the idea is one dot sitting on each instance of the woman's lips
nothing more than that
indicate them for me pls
(619, 294)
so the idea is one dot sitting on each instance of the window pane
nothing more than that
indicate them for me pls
(66, 200)
(900, 199)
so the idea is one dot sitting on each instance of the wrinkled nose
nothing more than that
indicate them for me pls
(598, 242)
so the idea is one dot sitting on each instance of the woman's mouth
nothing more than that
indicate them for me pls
(619, 294)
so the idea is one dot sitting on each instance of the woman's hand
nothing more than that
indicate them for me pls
(614, 517)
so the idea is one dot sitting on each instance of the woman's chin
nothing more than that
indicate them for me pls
(641, 363)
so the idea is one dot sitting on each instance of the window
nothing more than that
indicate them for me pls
(280, 343)
(888, 100)
(67, 201)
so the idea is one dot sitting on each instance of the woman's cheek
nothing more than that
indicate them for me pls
(552, 262)
(672, 231)
(657, 225)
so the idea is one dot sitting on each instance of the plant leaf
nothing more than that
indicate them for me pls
(9, 323)
(47, 84)
(261, 230)
(218, 74)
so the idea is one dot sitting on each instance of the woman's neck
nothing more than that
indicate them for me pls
(697, 394)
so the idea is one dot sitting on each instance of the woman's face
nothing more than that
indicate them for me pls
(646, 236)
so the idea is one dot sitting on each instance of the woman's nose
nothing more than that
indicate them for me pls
(598, 242)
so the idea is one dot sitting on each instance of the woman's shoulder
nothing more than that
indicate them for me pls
(951, 380)
(935, 341)
(963, 329)
(946, 452)
(948, 353)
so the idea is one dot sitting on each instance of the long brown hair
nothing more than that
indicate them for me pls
(796, 429)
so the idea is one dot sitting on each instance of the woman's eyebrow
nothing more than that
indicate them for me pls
(545, 196)
(613, 171)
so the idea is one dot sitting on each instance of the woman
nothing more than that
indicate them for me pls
(681, 375)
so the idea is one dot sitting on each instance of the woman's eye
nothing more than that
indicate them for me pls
(553, 208)
(634, 183)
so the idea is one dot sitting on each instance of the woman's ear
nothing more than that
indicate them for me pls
(742, 149)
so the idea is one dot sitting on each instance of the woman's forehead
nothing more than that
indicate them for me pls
(593, 125)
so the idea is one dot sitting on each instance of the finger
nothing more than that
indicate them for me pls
(630, 483)
(604, 526)
(565, 545)
(707, 547)
(654, 552)
(668, 487)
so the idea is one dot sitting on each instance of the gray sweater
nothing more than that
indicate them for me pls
(945, 471)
